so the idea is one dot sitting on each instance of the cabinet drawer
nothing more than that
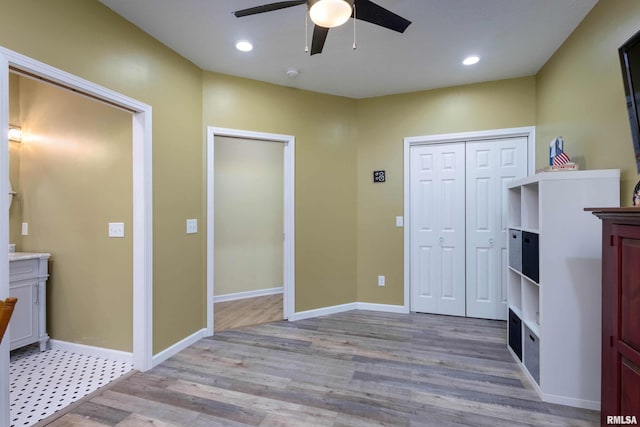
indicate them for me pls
(532, 354)
(530, 256)
(515, 334)
(515, 249)
(23, 269)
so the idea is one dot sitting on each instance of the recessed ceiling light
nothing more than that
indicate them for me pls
(471, 60)
(244, 46)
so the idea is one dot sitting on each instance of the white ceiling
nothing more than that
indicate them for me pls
(514, 38)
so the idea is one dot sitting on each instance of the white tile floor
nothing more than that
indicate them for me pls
(45, 382)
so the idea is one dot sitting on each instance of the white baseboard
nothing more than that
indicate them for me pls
(323, 311)
(178, 347)
(387, 308)
(570, 401)
(88, 350)
(247, 294)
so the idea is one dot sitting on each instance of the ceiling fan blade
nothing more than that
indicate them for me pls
(319, 37)
(371, 12)
(267, 8)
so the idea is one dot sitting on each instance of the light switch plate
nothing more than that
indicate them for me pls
(25, 228)
(116, 229)
(380, 280)
(192, 226)
(399, 221)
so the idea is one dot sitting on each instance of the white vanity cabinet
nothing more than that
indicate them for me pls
(28, 273)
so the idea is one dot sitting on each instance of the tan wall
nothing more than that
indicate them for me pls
(75, 178)
(344, 224)
(382, 124)
(15, 212)
(580, 94)
(249, 198)
(86, 39)
(325, 181)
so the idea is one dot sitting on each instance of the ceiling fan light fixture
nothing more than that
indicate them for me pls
(330, 13)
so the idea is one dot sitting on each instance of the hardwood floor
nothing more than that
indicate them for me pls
(247, 312)
(350, 369)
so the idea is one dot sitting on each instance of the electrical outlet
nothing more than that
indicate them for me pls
(399, 221)
(192, 226)
(25, 229)
(116, 229)
(380, 280)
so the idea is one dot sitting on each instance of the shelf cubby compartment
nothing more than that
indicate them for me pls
(514, 291)
(514, 215)
(531, 305)
(529, 207)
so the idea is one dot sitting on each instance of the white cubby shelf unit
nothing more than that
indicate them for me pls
(554, 281)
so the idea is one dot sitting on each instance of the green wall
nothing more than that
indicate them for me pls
(382, 124)
(76, 177)
(325, 175)
(248, 211)
(580, 94)
(345, 232)
(87, 39)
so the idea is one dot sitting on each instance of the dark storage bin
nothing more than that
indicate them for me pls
(532, 353)
(515, 334)
(515, 249)
(530, 255)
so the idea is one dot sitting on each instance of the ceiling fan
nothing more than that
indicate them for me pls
(327, 14)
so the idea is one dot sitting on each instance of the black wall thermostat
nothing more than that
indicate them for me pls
(378, 176)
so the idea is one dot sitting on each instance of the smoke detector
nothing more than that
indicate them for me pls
(293, 72)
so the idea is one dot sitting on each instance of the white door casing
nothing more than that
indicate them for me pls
(142, 356)
(437, 251)
(491, 164)
(288, 268)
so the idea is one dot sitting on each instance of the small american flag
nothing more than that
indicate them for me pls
(561, 159)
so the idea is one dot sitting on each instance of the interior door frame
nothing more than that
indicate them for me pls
(529, 132)
(288, 259)
(142, 203)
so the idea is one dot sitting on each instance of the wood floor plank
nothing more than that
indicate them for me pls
(246, 312)
(349, 369)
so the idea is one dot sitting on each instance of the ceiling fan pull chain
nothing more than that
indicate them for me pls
(355, 46)
(306, 32)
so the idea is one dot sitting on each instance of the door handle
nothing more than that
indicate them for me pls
(441, 240)
(491, 242)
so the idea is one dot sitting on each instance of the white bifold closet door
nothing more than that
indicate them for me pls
(490, 166)
(437, 228)
(458, 225)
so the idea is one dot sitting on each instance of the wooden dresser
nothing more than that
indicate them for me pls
(620, 314)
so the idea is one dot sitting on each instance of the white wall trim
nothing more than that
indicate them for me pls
(4, 234)
(568, 401)
(179, 346)
(142, 204)
(308, 314)
(288, 272)
(88, 350)
(529, 132)
(247, 294)
(386, 308)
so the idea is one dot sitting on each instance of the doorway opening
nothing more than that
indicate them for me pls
(141, 356)
(276, 223)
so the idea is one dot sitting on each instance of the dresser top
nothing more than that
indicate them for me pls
(628, 213)
(18, 256)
